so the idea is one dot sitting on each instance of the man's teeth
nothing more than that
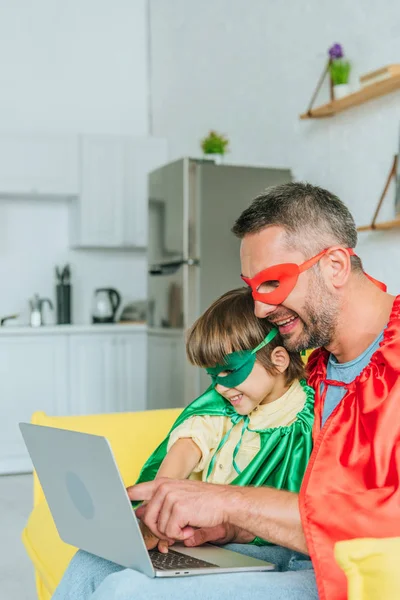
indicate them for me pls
(285, 322)
(234, 398)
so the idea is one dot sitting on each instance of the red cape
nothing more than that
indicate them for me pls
(351, 486)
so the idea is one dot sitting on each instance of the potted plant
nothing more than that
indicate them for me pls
(214, 146)
(339, 69)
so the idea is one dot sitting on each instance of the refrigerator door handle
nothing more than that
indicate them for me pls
(169, 268)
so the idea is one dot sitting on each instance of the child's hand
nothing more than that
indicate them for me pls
(151, 541)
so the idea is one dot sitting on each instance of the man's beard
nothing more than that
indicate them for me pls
(321, 309)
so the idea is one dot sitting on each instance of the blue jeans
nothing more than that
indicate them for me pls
(91, 577)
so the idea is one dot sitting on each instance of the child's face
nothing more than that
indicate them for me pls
(260, 387)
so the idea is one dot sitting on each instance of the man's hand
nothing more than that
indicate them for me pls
(221, 534)
(174, 509)
(177, 510)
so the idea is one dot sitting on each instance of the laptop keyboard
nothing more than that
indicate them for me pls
(177, 561)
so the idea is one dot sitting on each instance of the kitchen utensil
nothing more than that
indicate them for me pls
(134, 312)
(3, 320)
(36, 305)
(105, 305)
(63, 303)
(63, 276)
(63, 295)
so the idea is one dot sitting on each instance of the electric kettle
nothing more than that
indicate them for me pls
(105, 305)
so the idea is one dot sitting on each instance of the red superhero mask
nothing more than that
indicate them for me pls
(273, 285)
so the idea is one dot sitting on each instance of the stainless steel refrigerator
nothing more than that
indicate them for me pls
(193, 258)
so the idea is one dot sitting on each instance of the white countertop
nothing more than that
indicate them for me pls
(166, 331)
(73, 329)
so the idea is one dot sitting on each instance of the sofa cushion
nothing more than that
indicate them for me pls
(371, 567)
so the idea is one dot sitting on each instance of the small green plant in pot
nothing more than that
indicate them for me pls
(339, 69)
(214, 146)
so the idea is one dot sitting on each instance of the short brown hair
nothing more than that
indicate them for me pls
(230, 325)
(312, 218)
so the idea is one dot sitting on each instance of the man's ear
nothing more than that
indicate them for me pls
(338, 265)
(280, 358)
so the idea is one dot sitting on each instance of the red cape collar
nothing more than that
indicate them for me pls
(387, 353)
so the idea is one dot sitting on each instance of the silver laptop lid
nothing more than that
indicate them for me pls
(86, 494)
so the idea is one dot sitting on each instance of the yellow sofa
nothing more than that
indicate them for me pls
(133, 436)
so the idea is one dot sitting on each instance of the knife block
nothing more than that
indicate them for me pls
(63, 294)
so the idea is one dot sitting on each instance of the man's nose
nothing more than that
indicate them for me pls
(262, 310)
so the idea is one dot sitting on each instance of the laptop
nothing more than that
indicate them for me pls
(92, 511)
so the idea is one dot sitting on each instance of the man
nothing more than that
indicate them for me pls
(297, 256)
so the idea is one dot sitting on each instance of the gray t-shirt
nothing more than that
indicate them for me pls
(345, 372)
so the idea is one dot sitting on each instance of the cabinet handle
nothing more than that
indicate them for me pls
(169, 268)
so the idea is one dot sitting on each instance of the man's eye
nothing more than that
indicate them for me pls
(268, 286)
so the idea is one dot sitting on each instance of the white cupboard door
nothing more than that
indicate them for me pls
(112, 207)
(101, 203)
(33, 377)
(142, 157)
(165, 382)
(130, 368)
(91, 360)
(107, 373)
(39, 165)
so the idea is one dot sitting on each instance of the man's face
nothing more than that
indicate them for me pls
(307, 318)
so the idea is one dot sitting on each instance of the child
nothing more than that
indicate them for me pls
(253, 425)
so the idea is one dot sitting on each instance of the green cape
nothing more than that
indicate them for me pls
(284, 451)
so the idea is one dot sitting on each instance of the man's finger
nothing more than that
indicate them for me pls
(178, 526)
(187, 532)
(143, 491)
(198, 538)
(207, 534)
(165, 513)
(154, 507)
(140, 512)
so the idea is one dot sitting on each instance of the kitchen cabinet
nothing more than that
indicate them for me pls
(107, 373)
(66, 370)
(104, 176)
(33, 376)
(166, 351)
(111, 210)
(38, 165)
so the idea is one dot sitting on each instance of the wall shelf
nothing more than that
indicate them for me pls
(385, 224)
(381, 226)
(369, 92)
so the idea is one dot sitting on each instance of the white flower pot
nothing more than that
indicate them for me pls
(217, 158)
(341, 90)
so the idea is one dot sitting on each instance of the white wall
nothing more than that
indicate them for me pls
(248, 68)
(75, 66)
(34, 238)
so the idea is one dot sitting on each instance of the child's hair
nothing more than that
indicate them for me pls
(230, 325)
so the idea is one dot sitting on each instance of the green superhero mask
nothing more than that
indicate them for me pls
(238, 365)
